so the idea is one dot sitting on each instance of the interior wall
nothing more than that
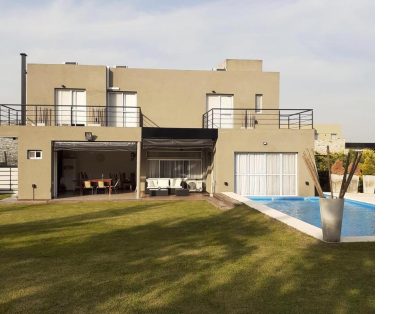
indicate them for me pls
(98, 164)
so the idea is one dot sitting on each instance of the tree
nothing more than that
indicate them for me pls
(368, 162)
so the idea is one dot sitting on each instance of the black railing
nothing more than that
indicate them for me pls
(50, 115)
(250, 118)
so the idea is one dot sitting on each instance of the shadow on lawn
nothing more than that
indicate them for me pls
(232, 261)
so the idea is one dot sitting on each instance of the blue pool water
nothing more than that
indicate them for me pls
(358, 217)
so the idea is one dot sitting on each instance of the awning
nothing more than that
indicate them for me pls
(177, 143)
(95, 146)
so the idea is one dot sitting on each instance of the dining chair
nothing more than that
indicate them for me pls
(101, 186)
(87, 185)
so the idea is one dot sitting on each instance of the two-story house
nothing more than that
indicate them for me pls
(221, 129)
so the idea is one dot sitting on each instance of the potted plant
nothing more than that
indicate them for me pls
(331, 208)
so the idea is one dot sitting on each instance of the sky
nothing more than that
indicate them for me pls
(323, 49)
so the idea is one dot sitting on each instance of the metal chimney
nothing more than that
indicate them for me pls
(23, 87)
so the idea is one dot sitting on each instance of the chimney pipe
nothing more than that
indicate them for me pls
(23, 88)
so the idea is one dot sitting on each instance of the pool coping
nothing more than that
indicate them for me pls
(298, 224)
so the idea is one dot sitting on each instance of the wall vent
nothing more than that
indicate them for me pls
(71, 62)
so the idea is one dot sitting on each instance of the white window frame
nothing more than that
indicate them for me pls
(259, 104)
(34, 152)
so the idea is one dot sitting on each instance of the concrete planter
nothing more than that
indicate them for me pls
(337, 182)
(331, 218)
(369, 184)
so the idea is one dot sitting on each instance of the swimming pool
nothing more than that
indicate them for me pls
(358, 217)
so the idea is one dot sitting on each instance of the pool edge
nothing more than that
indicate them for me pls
(298, 224)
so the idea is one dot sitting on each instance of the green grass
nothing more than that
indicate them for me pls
(3, 196)
(173, 257)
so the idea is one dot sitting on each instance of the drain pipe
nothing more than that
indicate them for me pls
(23, 87)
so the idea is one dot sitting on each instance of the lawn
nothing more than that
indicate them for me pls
(173, 257)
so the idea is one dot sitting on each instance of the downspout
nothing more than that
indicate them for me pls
(23, 87)
(107, 87)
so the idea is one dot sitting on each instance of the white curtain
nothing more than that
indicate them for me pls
(153, 170)
(175, 169)
(71, 107)
(265, 174)
(115, 109)
(222, 114)
(131, 111)
(288, 174)
(251, 174)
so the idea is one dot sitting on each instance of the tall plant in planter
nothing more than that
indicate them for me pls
(331, 208)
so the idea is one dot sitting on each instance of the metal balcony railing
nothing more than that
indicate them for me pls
(251, 119)
(51, 115)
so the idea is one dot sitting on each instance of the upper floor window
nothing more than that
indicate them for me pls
(71, 107)
(259, 99)
(123, 110)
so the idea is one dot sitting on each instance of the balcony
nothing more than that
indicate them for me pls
(251, 119)
(51, 115)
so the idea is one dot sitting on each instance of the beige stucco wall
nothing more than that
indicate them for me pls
(248, 141)
(43, 79)
(39, 172)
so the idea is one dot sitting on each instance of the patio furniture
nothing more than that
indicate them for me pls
(107, 183)
(102, 186)
(115, 187)
(87, 185)
(182, 192)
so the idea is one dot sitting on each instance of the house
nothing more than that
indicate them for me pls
(220, 130)
(329, 135)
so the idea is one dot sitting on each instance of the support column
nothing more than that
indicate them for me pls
(138, 163)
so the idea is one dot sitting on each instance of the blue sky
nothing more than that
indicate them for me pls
(323, 49)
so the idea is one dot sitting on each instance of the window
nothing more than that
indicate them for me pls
(221, 114)
(71, 107)
(34, 154)
(334, 136)
(174, 168)
(259, 103)
(123, 110)
(266, 173)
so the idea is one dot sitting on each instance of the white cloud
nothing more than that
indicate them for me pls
(323, 49)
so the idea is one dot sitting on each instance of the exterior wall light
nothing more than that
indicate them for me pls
(265, 143)
(89, 136)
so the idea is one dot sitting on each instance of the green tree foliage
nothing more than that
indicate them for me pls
(368, 162)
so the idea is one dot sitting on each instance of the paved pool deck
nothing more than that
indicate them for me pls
(361, 197)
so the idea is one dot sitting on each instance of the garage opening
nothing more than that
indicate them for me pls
(81, 168)
(266, 174)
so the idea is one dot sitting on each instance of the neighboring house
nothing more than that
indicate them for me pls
(222, 129)
(8, 152)
(357, 146)
(328, 135)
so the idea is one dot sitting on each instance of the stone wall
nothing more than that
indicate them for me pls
(335, 146)
(8, 152)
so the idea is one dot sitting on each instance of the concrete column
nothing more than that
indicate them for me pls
(138, 162)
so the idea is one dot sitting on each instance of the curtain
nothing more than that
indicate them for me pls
(288, 174)
(265, 173)
(131, 112)
(153, 170)
(175, 169)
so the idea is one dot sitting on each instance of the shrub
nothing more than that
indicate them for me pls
(368, 162)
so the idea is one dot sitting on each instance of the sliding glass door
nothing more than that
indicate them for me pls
(70, 107)
(123, 110)
(266, 173)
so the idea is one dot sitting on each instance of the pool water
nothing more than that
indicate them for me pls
(358, 217)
